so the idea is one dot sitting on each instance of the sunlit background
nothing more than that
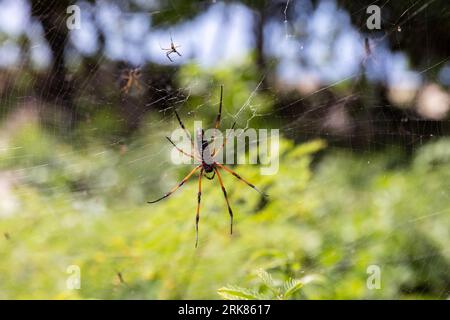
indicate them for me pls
(364, 178)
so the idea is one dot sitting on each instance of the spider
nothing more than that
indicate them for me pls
(120, 277)
(129, 79)
(172, 49)
(207, 165)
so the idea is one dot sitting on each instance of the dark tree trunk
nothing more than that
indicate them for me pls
(260, 20)
(57, 89)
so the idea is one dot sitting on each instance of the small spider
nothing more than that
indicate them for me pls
(120, 277)
(207, 165)
(172, 49)
(129, 79)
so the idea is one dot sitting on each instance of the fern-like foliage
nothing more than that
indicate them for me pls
(239, 293)
(276, 289)
(291, 287)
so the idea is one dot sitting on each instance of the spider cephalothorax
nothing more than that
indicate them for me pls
(203, 154)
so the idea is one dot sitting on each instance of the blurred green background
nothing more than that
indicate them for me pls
(364, 176)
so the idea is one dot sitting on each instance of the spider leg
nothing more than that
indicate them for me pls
(125, 89)
(168, 55)
(219, 115)
(177, 52)
(126, 86)
(138, 86)
(220, 108)
(177, 186)
(226, 199)
(240, 178)
(185, 130)
(212, 177)
(216, 151)
(199, 197)
(180, 150)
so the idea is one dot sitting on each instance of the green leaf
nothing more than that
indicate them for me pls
(312, 278)
(265, 277)
(291, 287)
(238, 293)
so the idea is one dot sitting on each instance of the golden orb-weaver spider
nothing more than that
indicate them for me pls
(129, 79)
(172, 49)
(207, 165)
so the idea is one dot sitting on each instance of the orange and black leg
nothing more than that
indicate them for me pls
(177, 186)
(219, 116)
(226, 199)
(240, 178)
(199, 198)
(185, 130)
(181, 150)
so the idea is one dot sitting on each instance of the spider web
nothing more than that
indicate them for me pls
(321, 108)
